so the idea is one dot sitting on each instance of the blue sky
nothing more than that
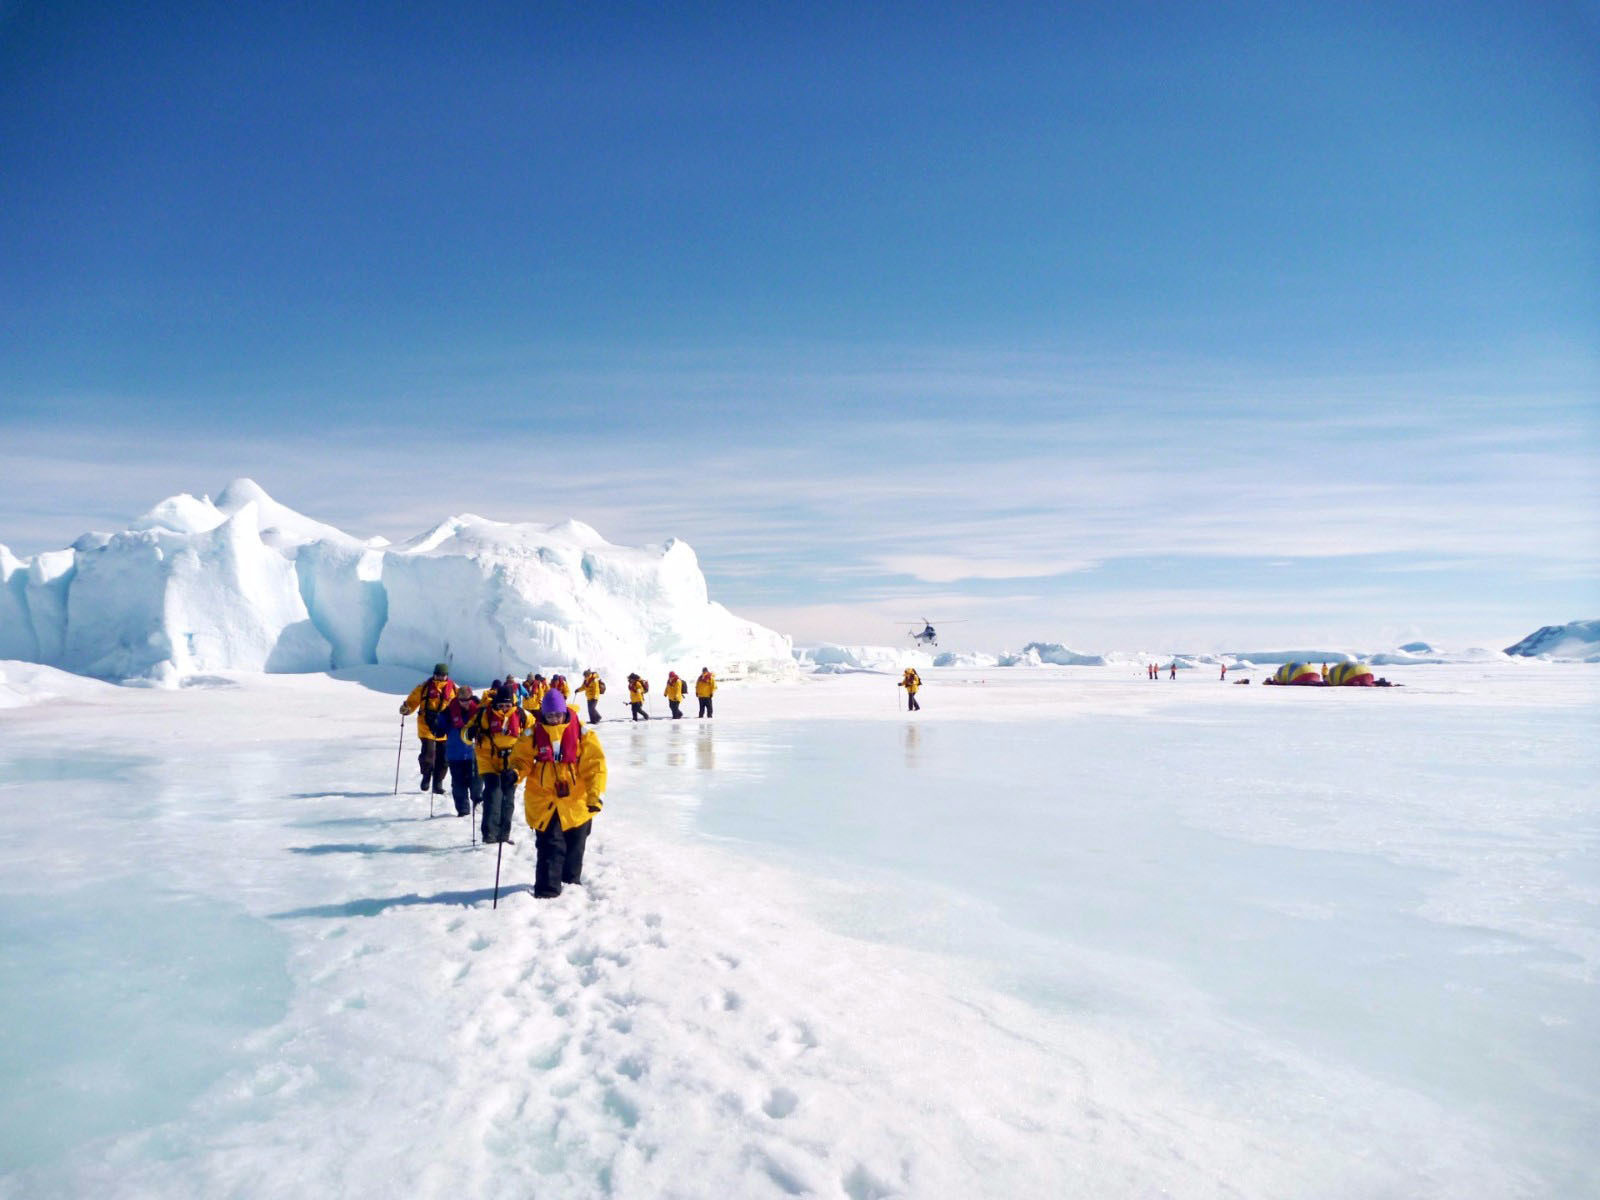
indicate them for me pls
(1119, 325)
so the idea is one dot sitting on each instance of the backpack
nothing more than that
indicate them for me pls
(602, 687)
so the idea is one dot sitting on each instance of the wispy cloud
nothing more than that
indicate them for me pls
(930, 473)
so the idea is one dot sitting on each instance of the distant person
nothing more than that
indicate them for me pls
(911, 681)
(593, 687)
(705, 687)
(674, 692)
(565, 769)
(1174, 674)
(537, 687)
(495, 731)
(1224, 675)
(638, 689)
(466, 789)
(428, 700)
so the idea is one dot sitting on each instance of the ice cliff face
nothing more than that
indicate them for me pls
(243, 583)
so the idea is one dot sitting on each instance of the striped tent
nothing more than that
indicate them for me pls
(1350, 674)
(1301, 673)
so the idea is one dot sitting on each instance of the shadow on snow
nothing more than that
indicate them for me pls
(339, 795)
(370, 848)
(375, 905)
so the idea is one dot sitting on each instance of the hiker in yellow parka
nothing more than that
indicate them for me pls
(705, 687)
(537, 687)
(565, 770)
(911, 681)
(428, 700)
(674, 692)
(593, 687)
(638, 689)
(496, 729)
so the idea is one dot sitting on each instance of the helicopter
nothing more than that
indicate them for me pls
(927, 635)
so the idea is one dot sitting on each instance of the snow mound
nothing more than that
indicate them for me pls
(1050, 654)
(1575, 640)
(26, 683)
(195, 587)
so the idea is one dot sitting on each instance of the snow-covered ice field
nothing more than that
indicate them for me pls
(1065, 932)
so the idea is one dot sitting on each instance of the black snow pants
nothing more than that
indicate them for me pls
(705, 706)
(431, 760)
(639, 713)
(911, 703)
(465, 787)
(560, 857)
(677, 712)
(499, 798)
(594, 711)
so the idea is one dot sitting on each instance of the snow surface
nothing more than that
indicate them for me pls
(194, 587)
(1062, 933)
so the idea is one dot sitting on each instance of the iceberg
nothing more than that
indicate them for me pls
(1575, 640)
(1051, 654)
(827, 658)
(243, 583)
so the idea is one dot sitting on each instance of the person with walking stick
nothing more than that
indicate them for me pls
(565, 769)
(911, 681)
(466, 789)
(495, 731)
(428, 700)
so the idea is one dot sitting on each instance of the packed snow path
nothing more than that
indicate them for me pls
(235, 963)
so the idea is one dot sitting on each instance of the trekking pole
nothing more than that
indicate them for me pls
(499, 850)
(399, 746)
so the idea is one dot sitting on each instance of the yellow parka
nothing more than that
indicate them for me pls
(591, 686)
(706, 685)
(584, 780)
(911, 682)
(429, 696)
(495, 738)
(636, 690)
(563, 687)
(675, 689)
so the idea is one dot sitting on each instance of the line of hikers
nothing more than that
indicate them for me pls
(523, 730)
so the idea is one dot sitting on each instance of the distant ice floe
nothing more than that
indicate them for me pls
(1578, 640)
(1050, 654)
(827, 658)
(197, 586)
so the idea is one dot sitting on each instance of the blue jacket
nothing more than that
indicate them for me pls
(456, 747)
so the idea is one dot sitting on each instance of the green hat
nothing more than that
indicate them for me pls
(441, 668)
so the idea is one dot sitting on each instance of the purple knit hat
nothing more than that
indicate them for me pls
(553, 705)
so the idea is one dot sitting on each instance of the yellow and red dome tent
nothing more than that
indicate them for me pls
(1350, 674)
(1300, 673)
